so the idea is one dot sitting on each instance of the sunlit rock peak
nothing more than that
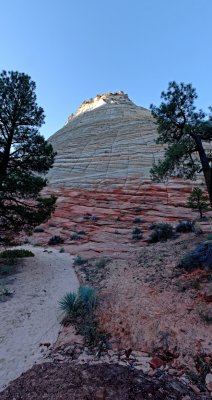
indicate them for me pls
(109, 138)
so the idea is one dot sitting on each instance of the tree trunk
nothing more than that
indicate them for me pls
(200, 211)
(6, 157)
(207, 171)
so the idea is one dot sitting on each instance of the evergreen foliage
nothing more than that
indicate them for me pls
(162, 232)
(184, 130)
(24, 156)
(200, 257)
(198, 201)
(17, 253)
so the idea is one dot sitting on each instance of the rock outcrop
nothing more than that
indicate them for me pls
(104, 155)
(108, 137)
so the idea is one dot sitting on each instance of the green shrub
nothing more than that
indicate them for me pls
(90, 217)
(38, 230)
(70, 304)
(206, 317)
(18, 253)
(137, 220)
(198, 201)
(88, 328)
(137, 234)
(102, 262)
(54, 240)
(80, 307)
(162, 232)
(87, 297)
(81, 232)
(75, 236)
(209, 237)
(79, 261)
(184, 226)
(200, 257)
(5, 292)
(79, 304)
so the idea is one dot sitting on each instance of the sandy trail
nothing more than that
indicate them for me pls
(32, 315)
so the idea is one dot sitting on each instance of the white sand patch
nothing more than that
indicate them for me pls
(32, 315)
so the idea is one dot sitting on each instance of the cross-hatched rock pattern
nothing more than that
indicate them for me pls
(107, 138)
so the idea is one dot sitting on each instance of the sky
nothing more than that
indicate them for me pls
(75, 49)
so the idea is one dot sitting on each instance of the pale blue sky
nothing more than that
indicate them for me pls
(76, 49)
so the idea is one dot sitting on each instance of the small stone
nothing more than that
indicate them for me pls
(122, 363)
(143, 359)
(194, 388)
(208, 381)
(156, 362)
(172, 371)
(59, 357)
(151, 372)
(207, 359)
(207, 295)
(184, 379)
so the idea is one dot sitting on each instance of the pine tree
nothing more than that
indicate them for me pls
(25, 156)
(185, 130)
(198, 201)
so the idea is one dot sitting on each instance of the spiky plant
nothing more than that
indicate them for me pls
(70, 304)
(87, 296)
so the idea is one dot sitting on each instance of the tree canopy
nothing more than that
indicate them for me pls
(24, 156)
(186, 132)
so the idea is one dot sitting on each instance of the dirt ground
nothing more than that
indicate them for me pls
(145, 303)
(109, 382)
(149, 304)
(31, 316)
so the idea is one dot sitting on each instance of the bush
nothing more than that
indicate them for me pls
(81, 232)
(5, 292)
(153, 226)
(209, 237)
(75, 236)
(38, 230)
(70, 304)
(137, 234)
(79, 310)
(18, 253)
(87, 298)
(162, 232)
(102, 262)
(90, 217)
(200, 257)
(79, 261)
(184, 226)
(54, 240)
(206, 317)
(137, 221)
(80, 303)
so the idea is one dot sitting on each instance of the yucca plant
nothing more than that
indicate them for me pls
(78, 304)
(87, 297)
(70, 304)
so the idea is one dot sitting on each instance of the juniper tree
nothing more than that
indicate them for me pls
(185, 130)
(198, 201)
(24, 156)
